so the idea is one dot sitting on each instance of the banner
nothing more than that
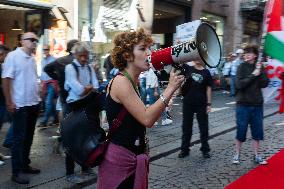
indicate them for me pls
(274, 48)
(273, 70)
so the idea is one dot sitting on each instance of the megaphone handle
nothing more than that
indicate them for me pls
(178, 67)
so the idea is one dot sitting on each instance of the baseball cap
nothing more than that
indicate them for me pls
(240, 51)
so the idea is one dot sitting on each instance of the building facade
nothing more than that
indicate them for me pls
(237, 22)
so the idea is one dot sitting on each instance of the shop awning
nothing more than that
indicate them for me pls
(34, 4)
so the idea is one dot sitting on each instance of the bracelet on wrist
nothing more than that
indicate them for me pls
(163, 99)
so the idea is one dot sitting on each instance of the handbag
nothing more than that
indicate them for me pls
(83, 138)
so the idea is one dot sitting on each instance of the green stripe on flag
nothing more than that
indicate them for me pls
(274, 47)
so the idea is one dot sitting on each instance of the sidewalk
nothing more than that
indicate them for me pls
(164, 142)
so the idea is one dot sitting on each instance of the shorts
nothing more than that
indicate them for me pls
(249, 115)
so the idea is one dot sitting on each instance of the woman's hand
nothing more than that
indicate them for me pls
(175, 80)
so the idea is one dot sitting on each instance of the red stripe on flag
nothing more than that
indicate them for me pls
(274, 23)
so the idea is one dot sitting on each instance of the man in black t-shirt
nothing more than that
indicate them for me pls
(197, 99)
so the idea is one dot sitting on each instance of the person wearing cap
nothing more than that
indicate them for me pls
(21, 93)
(233, 71)
(250, 79)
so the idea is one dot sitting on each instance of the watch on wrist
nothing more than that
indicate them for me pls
(208, 104)
(163, 99)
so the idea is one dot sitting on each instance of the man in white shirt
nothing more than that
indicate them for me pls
(21, 92)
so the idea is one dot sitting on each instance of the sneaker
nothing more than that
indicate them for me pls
(183, 154)
(31, 170)
(156, 123)
(258, 159)
(2, 157)
(53, 124)
(206, 155)
(167, 122)
(88, 172)
(2, 162)
(236, 159)
(74, 179)
(42, 125)
(20, 179)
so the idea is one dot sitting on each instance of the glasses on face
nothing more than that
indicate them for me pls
(32, 39)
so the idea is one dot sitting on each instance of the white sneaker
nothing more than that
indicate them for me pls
(156, 123)
(258, 159)
(74, 179)
(2, 163)
(3, 157)
(236, 159)
(167, 122)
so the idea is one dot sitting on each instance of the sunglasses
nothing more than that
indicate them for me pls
(45, 49)
(32, 39)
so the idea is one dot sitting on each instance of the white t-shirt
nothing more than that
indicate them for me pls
(21, 68)
(151, 79)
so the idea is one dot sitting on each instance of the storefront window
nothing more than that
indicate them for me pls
(109, 17)
(217, 22)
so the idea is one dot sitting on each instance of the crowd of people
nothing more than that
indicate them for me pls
(67, 84)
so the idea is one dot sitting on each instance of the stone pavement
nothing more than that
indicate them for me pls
(166, 170)
(218, 171)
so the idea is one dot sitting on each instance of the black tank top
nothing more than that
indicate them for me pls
(130, 129)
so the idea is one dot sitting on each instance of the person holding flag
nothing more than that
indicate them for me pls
(250, 79)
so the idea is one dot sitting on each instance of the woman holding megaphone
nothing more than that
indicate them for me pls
(126, 163)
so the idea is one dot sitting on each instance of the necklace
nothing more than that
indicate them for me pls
(126, 74)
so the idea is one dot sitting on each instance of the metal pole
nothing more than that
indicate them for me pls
(90, 10)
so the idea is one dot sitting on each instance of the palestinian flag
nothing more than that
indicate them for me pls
(274, 40)
(274, 47)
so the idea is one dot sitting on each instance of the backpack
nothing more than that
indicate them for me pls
(65, 92)
(101, 97)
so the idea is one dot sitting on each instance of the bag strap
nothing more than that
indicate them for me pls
(116, 122)
(125, 73)
(77, 71)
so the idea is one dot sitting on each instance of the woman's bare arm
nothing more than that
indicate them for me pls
(123, 92)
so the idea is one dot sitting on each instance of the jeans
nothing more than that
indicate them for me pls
(152, 98)
(143, 92)
(252, 115)
(23, 124)
(232, 85)
(2, 114)
(8, 141)
(202, 119)
(49, 104)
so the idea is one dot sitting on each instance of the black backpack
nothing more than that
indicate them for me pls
(77, 73)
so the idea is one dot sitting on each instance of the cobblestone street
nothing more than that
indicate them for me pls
(166, 170)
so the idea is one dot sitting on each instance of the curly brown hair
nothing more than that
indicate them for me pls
(124, 45)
